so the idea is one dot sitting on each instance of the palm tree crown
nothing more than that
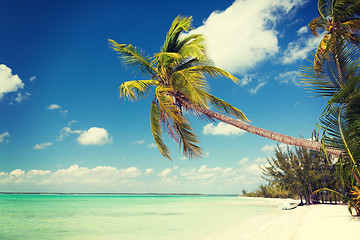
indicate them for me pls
(178, 75)
(339, 20)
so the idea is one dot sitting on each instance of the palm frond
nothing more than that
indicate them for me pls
(167, 59)
(227, 108)
(180, 129)
(193, 46)
(188, 139)
(134, 90)
(133, 57)
(179, 25)
(155, 123)
(191, 85)
(339, 65)
(212, 71)
(317, 24)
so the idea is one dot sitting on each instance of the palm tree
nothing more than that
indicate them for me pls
(338, 77)
(339, 21)
(178, 75)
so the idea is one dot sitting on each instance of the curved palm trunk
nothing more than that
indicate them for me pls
(298, 142)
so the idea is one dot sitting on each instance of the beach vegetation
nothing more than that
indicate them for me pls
(301, 172)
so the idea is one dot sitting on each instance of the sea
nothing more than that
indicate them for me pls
(123, 217)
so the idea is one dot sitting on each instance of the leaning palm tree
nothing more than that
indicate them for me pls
(178, 75)
(339, 20)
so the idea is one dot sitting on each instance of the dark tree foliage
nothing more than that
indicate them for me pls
(301, 172)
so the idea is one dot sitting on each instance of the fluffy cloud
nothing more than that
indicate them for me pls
(222, 129)
(66, 131)
(290, 76)
(33, 78)
(243, 160)
(22, 96)
(42, 145)
(8, 81)
(17, 173)
(94, 136)
(302, 30)
(268, 149)
(165, 173)
(152, 145)
(3, 136)
(244, 34)
(57, 107)
(300, 49)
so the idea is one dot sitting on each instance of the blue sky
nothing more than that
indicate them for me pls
(63, 127)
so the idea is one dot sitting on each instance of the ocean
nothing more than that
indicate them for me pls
(123, 217)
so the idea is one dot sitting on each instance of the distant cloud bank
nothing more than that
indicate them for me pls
(132, 179)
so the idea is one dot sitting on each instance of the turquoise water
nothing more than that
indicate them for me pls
(122, 217)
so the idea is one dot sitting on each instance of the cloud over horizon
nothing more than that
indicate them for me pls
(132, 179)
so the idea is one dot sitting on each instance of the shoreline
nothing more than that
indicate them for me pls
(320, 221)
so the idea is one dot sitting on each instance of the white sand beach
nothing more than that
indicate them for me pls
(305, 222)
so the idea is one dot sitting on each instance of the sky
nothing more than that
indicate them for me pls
(63, 127)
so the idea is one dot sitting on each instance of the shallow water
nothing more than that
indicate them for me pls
(122, 217)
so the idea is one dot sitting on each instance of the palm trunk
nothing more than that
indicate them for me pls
(293, 141)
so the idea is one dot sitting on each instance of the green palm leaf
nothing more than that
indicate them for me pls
(155, 123)
(132, 56)
(227, 108)
(136, 89)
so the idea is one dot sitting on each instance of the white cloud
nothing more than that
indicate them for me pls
(300, 49)
(138, 142)
(271, 148)
(57, 107)
(222, 129)
(17, 173)
(3, 136)
(243, 160)
(42, 145)
(290, 76)
(33, 78)
(94, 136)
(111, 179)
(8, 81)
(165, 173)
(33, 173)
(246, 79)
(244, 34)
(302, 30)
(254, 90)
(152, 145)
(66, 131)
(20, 97)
